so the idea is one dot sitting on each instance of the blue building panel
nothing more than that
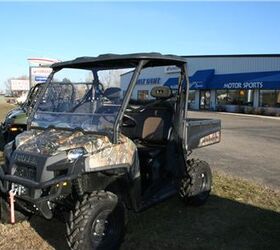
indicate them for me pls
(201, 78)
(257, 80)
(206, 79)
(172, 82)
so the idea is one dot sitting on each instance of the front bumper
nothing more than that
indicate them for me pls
(6, 182)
(40, 192)
(45, 180)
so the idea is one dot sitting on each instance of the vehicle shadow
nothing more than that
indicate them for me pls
(219, 224)
(53, 231)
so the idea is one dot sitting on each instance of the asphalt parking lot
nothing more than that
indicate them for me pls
(250, 147)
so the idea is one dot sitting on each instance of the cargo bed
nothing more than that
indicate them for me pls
(200, 132)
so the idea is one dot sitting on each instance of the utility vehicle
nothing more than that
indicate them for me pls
(94, 151)
(16, 120)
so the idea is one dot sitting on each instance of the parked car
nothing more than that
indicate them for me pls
(15, 121)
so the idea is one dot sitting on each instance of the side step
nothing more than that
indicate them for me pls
(161, 195)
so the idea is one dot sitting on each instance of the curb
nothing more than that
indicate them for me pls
(248, 115)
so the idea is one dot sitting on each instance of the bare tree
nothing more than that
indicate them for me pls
(23, 77)
(89, 77)
(111, 78)
(7, 84)
(66, 80)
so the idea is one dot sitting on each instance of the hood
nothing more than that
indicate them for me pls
(16, 116)
(51, 142)
(102, 152)
(14, 113)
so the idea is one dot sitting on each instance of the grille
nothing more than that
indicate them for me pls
(27, 172)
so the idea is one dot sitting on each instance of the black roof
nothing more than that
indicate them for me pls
(121, 61)
(232, 55)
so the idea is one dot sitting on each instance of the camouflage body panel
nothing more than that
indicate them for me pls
(101, 152)
(113, 154)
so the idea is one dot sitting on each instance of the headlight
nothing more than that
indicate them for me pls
(74, 154)
(16, 129)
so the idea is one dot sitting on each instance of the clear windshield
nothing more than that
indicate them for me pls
(75, 99)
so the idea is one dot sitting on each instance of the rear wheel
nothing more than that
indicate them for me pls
(196, 184)
(97, 222)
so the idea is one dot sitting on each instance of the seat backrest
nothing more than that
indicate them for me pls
(153, 124)
(156, 125)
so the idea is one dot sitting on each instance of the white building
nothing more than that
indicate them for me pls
(235, 83)
(19, 87)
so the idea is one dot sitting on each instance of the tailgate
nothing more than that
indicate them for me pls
(202, 132)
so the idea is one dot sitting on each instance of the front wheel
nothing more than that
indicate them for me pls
(196, 184)
(97, 222)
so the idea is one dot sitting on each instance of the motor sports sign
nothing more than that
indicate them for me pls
(243, 85)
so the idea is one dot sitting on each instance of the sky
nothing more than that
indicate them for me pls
(67, 30)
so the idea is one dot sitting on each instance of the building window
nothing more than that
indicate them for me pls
(235, 97)
(191, 99)
(142, 95)
(270, 98)
(222, 97)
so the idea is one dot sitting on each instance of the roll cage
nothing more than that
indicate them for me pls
(113, 61)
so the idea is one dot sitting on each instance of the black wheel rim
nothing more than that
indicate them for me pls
(204, 192)
(203, 182)
(104, 229)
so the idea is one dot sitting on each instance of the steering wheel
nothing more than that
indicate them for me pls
(101, 87)
(128, 121)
